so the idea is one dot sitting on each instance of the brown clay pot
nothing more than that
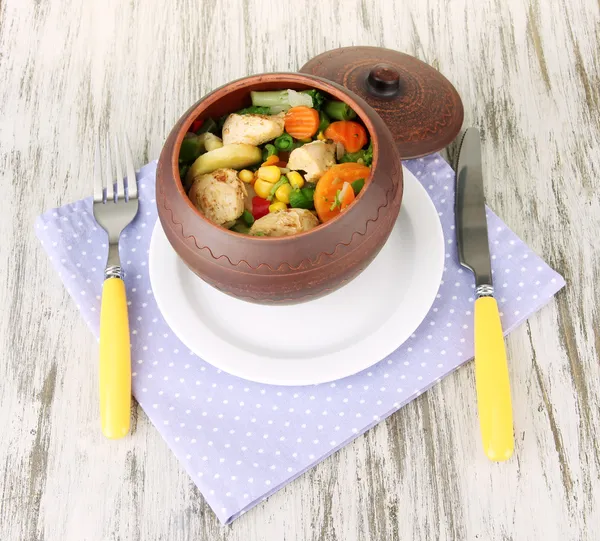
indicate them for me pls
(282, 270)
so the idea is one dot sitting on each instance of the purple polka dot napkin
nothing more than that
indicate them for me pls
(241, 441)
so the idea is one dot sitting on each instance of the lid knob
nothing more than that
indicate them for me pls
(383, 80)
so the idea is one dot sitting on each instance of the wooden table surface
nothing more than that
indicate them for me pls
(529, 75)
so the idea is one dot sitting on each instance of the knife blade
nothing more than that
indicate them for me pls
(491, 368)
(471, 224)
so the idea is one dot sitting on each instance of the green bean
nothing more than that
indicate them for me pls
(254, 111)
(284, 142)
(302, 199)
(220, 121)
(269, 150)
(240, 227)
(183, 171)
(324, 121)
(247, 217)
(209, 125)
(191, 148)
(298, 143)
(283, 180)
(339, 110)
(317, 97)
(364, 155)
(357, 185)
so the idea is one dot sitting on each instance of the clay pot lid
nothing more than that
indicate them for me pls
(419, 105)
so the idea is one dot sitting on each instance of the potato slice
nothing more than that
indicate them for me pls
(235, 156)
(211, 141)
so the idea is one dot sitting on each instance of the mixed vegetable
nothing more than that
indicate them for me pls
(285, 164)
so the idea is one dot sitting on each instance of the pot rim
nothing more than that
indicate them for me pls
(292, 77)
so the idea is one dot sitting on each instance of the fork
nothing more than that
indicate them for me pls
(115, 206)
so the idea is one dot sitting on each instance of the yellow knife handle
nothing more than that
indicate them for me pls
(493, 387)
(115, 360)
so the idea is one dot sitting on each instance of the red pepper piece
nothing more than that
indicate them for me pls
(260, 207)
(197, 124)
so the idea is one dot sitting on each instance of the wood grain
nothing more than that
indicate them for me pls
(529, 76)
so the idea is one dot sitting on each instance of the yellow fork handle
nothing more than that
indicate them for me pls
(115, 360)
(493, 387)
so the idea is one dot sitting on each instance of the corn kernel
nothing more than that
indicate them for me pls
(270, 173)
(246, 176)
(278, 205)
(296, 179)
(283, 193)
(262, 188)
(321, 136)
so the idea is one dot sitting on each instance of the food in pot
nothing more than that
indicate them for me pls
(219, 196)
(313, 158)
(236, 156)
(284, 222)
(288, 162)
(335, 192)
(252, 129)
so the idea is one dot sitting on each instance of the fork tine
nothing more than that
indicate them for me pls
(98, 181)
(119, 166)
(108, 178)
(132, 188)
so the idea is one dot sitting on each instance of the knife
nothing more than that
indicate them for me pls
(491, 368)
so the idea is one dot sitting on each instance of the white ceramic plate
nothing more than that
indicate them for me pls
(318, 341)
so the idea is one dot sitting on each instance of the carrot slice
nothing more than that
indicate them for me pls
(271, 160)
(332, 194)
(302, 122)
(351, 134)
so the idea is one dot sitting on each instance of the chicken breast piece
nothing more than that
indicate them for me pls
(284, 223)
(314, 158)
(252, 129)
(219, 196)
